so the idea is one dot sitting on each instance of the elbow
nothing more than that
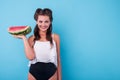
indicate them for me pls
(31, 57)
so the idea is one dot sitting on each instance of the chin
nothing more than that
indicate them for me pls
(43, 30)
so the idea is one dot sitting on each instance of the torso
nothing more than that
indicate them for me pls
(45, 52)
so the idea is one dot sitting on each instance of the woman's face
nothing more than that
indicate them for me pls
(43, 22)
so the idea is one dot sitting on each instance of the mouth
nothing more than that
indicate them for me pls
(43, 27)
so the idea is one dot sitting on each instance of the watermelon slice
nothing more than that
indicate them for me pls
(19, 30)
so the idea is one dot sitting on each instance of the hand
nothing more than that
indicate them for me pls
(19, 36)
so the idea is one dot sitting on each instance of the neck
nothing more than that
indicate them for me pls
(42, 33)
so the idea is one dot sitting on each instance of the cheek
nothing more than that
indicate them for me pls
(48, 25)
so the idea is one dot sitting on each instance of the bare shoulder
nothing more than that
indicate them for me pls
(31, 39)
(56, 37)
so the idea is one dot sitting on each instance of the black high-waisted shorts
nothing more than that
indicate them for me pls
(42, 71)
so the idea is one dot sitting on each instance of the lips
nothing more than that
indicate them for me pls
(43, 27)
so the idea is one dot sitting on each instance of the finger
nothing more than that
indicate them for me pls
(16, 36)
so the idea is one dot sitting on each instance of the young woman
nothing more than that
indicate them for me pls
(43, 48)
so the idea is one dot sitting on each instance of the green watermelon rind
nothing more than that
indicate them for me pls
(22, 32)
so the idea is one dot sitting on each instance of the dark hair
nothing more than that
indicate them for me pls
(45, 12)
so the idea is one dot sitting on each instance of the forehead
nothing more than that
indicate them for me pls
(43, 17)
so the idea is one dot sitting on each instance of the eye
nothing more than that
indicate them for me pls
(40, 21)
(46, 21)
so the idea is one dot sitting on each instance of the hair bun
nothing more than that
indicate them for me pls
(45, 11)
(37, 12)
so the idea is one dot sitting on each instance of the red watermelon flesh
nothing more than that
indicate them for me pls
(19, 30)
(14, 28)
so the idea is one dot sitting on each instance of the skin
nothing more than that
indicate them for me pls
(43, 23)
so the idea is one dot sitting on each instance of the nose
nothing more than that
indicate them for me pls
(43, 24)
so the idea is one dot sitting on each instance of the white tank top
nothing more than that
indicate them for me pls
(44, 52)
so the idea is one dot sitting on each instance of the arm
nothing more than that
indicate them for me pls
(29, 52)
(57, 39)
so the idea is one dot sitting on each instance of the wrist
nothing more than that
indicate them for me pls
(24, 37)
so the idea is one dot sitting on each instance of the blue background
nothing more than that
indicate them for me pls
(89, 32)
